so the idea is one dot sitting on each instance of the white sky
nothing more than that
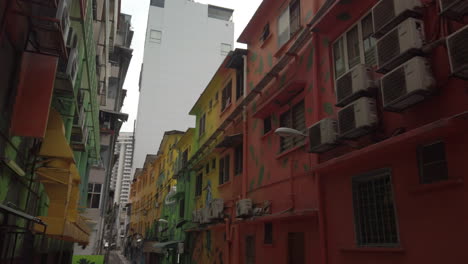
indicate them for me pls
(138, 9)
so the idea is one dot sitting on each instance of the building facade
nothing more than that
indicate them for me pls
(50, 128)
(171, 25)
(121, 180)
(113, 59)
(344, 143)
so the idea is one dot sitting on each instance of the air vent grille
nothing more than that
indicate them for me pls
(347, 119)
(394, 85)
(344, 86)
(383, 14)
(388, 47)
(315, 136)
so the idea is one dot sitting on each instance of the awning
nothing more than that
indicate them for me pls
(159, 247)
(230, 141)
(120, 115)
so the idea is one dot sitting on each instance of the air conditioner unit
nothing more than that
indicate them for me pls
(180, 248)
(407, 85)
(196, 216)
(323, 135)
(455, 9)
(47, 21)
(356, 83)
(457, 44)
(205, 215)
(400, 45)
(244, 208)
(357, 119)
(216, 210)
(387, 14)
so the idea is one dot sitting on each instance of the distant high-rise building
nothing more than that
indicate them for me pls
(120, 181)
(185, 44)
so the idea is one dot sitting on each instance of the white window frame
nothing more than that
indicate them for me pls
(343, 37)
(155, 39)
(225, 49)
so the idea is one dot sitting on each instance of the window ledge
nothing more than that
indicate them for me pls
(224, 184)
(374, 250)
(425, 188)
(287, 152)
(225, 109)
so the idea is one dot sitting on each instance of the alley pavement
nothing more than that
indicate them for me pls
(116, 257)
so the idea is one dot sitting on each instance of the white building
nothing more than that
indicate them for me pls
(121, 173)
(185, 44)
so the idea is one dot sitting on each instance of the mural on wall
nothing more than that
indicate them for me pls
(88, 259)
(207, 247)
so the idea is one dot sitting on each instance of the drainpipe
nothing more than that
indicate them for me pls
(245, 141)
(291, 183)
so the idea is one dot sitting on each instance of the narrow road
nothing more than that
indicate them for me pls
(116, 257)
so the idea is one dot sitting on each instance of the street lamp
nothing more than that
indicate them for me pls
(288, 132)
(163, 220)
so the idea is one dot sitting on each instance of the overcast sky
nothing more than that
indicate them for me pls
(138, 9)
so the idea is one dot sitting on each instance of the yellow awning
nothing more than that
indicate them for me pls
(64, 229)
(55, 144)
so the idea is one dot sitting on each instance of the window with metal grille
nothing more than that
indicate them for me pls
(432, 163)
(293, 118)
(266, 124)
(202, 124)
(374, 210)
(239, 82)
(226, 95)
(238, 161)
(250, 250)
(199, 184)
(296, 248)
(94, 195)
(355, 46)
(158, 3)
(224, 167)
(155, 36)
(268, 233)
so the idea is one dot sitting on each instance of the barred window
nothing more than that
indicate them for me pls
(250, 250)
(238, 160)
(224, 168)
(199, 184)
(374, 210)
(293, 118)
(226, 96)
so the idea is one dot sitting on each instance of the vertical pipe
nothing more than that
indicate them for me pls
(245, 141)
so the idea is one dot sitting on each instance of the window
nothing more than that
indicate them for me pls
(239, 82)
(354, 47)
(268, 233)
(199, 184)
(224, 169)
(158, 3)
(182, 208)
(289, 22)
(184, 158)
(94, 195)
(210, 104)
(207, 168)
(265, 33)
(296, 248)
(213, 164)
(155, 36)
(226, 96)
(202, 124)
(374, 211)
(293, 118)
(432, 163)
(225, 49)
(250, 250)
(238, 161)
(267, 124)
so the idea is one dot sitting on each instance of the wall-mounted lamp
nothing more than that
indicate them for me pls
(13, 166)
(289, 132)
